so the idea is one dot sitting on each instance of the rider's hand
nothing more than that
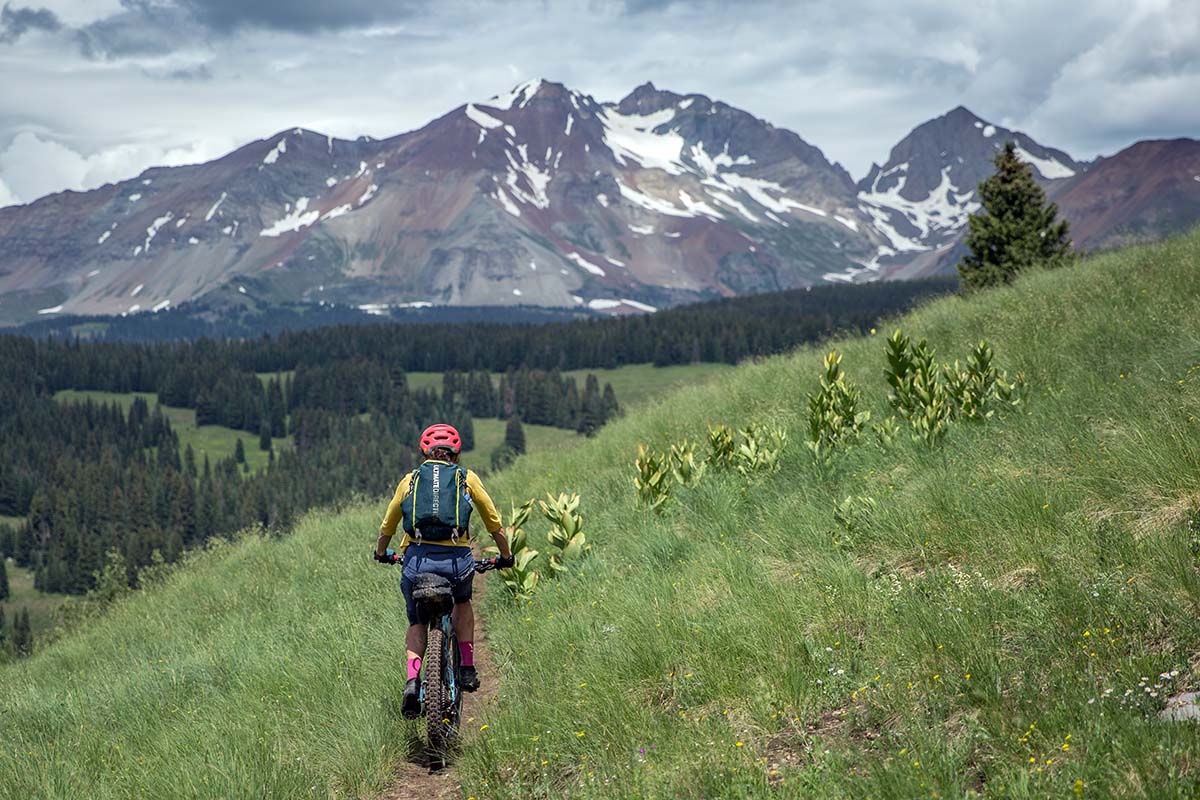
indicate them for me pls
(505, 563)
(388, 557)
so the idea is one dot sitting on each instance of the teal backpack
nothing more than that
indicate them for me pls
(437, 505)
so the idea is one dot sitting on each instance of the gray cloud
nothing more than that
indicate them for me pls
(138, 30)
(298, 15)
(182, 79)
(15, 22)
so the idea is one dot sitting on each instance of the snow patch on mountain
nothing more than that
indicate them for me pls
(536, 179)
(51, 310)
(208, 217)
(651, 203)
(725, 199)
(481, 118)
(1050, 168)
(632, 139)
(154, 228)
(279, 149)
(944, 211)
(711, 165)
(104, 237)
(699, 206)
(334, 213)
(368, 194)
(523, 92)
(508, 204)
(759, 191)
(298, 218)
(583, 262)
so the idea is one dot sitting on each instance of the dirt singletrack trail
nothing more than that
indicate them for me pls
(413, 779)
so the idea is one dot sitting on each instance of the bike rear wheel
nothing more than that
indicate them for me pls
(440, 714)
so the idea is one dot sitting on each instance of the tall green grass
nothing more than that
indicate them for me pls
(1004, 594)
(977, 633)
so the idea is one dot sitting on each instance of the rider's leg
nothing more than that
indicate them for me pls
(463, 618)
(414, 643)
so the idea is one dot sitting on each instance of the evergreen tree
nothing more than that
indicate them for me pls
(3, 634)
(239, 452)
(514, 436)
(264, 436)
(276, 409)
(3, 579)
(22, 635)
(611, 407)
(591, 415)
(1016, 228)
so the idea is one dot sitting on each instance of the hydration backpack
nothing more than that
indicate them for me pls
(437, 505)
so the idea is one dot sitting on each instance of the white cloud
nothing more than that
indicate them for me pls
(7, 198)
(32, 166)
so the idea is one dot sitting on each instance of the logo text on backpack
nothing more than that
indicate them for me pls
(437, 489)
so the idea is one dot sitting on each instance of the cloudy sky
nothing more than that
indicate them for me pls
(93, 91)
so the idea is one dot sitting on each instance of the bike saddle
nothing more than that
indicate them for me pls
(433, 592)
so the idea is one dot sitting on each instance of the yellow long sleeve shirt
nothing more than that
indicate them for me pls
(481, 501)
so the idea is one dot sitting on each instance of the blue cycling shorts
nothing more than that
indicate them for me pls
(455, 564)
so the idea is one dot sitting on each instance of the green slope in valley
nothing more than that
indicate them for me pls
(215, 441)
(995, 624)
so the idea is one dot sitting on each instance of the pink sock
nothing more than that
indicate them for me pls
(414, 668)
(466, 654)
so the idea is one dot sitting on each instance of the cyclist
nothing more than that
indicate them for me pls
(434, 503)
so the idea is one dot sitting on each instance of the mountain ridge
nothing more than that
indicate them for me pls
(540, 195)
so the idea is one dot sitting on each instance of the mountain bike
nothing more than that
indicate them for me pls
(441, 696)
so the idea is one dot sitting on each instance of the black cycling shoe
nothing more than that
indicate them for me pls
(410, 705)
(468, 679)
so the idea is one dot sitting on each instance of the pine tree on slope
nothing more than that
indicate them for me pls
(1016, 228)
(514, 435)
(3, 579)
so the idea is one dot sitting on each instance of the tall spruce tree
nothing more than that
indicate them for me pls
(514, 435)
(1016, 228)
(3, 579)
(22, 635)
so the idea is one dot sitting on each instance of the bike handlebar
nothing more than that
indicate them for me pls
(481, 564)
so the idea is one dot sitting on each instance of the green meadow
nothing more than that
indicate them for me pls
(215, 441)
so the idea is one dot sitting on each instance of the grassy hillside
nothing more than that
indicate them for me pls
(215, 441)
(995, 626)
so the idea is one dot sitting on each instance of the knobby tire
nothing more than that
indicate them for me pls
(439, 722)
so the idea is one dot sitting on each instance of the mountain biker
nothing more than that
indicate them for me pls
(437, 540)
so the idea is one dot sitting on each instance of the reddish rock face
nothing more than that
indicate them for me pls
(1145, 192)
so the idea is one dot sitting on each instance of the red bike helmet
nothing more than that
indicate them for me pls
(440, 435)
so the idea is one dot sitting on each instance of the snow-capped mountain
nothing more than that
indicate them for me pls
(545, 196)
(921, 197)
(541, 195)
